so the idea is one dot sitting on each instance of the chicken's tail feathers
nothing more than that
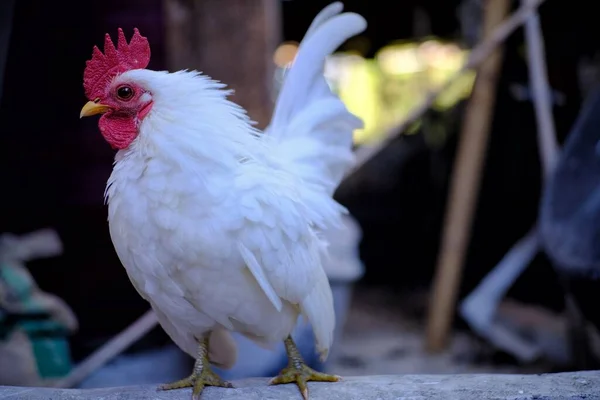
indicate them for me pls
(318, 309)
(311, 126)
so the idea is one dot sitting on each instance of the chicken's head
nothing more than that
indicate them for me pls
(123, 102)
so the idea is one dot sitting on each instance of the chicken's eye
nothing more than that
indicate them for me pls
(125, 92)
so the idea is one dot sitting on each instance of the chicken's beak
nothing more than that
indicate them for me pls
(92, 108)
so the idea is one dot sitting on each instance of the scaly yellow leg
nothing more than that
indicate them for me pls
(201, 376)
(298, 372)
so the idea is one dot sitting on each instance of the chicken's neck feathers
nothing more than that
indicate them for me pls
(192, 127)
(193, 121)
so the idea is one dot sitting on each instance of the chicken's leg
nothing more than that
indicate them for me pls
(201, 376)
(298, 372)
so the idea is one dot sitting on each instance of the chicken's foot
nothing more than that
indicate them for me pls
(298, 372)
(201, 376)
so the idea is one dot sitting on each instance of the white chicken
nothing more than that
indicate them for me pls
(216, 223)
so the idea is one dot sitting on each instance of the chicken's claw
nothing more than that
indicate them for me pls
(206, 378)
(202, 376)
(298, 372)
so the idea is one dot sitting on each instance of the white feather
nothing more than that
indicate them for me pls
(259, 275)
(312, 125)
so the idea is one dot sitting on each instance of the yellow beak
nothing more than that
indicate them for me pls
(92, 108)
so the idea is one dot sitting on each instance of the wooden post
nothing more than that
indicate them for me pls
(542, 97)
(464, 188)
(233, 43)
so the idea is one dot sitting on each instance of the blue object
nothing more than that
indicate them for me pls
(570, 207)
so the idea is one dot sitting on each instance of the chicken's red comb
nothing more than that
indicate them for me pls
(102, 68)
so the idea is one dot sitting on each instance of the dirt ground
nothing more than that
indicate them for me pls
(384, 334)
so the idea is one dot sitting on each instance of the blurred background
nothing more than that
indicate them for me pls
(401, 287)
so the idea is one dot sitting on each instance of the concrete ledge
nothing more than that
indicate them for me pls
(579, 385)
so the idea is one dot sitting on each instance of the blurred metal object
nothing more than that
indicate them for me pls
(569, 221)
(570, 206)
(542, 93)
(479, 309)
(110, 350)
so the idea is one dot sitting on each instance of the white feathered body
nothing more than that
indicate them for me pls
(217, 224)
